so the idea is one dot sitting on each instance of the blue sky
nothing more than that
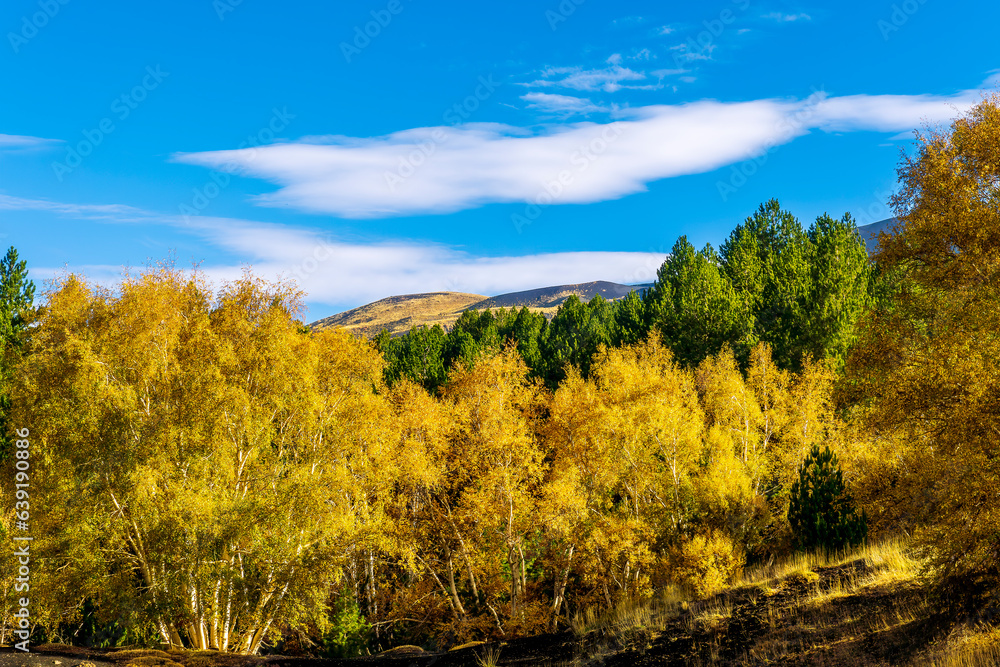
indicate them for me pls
(386, 147)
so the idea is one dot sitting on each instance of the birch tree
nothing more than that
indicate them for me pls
(202, 452)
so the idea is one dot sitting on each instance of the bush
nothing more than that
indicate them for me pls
(349, 631)
(821, 512)
(705, 564)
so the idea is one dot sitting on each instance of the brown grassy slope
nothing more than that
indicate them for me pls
(399, 314)
(871, 607)
(552, 297)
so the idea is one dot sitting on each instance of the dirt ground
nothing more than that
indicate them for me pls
(816, 617)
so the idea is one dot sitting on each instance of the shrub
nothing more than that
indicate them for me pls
(349, 631)
(706, 563)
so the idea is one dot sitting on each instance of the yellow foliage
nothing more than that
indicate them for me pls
(926, 372)
(707, 563)
(201, 451)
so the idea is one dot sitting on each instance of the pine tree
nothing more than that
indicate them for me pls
(840, 287)
(821, 512)
(767, 260)
(694, 307)
(17, 295)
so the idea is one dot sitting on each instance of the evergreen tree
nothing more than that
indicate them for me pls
(574, 336)
(840, 288)
(417, 355)
(694, 307)
(527, 329)
(767, 260)
(631, 319)
(17, 295)
(821, 512)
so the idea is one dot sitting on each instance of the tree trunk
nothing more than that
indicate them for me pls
(560, 590)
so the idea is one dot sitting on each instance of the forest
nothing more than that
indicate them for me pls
(208, 472)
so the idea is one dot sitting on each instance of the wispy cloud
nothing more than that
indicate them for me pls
(628, 21)
(473, 165)
(562, 104)
(344, 274)
(781, 17)
(103, 212)
(608, 79)
(20, 142)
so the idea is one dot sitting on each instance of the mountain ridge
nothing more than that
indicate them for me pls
(402, 312)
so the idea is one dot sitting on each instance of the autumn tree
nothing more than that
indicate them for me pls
(626, 446)
(206, 463)
(466, 501)
(926, 369)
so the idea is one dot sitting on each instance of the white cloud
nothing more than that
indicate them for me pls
(21, 142)
(455, 168)
(342, 274)
(786, 18)
(563, 104)
(888, 113)
(660, 73)
(609, 79)
(104, 212)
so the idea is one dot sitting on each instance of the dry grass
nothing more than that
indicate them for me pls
(490, 657)
(968, 647)
(633, 615)
(869, 606)
(399, 314)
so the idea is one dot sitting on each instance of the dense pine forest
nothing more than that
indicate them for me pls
(206, 472)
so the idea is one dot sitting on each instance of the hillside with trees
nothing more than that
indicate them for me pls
(784, 451)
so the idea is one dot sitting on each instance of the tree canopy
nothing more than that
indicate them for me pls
(925, 375)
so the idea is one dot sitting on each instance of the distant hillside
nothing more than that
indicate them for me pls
(550, 298)
(399, 314)
(870, 232)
